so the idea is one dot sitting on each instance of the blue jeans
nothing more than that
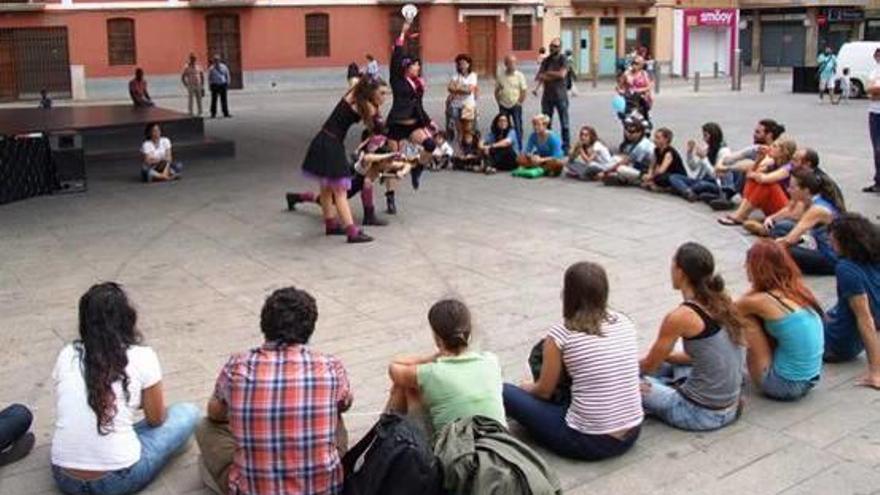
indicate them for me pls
(545, 421)
(667, 404)
(681, 184)
(842, 342)
(158, 445)
(561, 106)
(779, 388)
(15, 421)
(514, 115)
(874, 126)
(782, 227)
(812, 261)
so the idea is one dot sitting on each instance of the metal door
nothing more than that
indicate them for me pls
(607, 50)
(8, 89)
(481, 44)
(583, 51)
(224, 38)
(745, 45)
(782, 44)
(32, 59)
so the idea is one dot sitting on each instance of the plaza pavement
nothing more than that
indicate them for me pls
(199, 256)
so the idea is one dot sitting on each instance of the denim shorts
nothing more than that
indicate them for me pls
(776, 387)
(667, 404)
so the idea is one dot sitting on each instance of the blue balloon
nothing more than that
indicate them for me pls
(618, 104)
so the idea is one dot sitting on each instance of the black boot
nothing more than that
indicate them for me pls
(370, 218)
(292, 200)
(391, 205)
(416, 175)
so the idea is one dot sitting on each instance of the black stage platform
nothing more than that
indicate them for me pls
(115, 132)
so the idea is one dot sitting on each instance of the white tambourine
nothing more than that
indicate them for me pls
(409, 12)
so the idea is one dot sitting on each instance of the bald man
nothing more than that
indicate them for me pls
(511, 89)
(552, 74)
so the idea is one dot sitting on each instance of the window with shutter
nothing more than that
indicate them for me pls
(121, 49)
(522, 32)
(317, 35)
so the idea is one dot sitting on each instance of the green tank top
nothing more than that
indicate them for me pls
(461, 386)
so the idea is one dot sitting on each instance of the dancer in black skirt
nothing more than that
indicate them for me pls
(326, 159)
(407, 118)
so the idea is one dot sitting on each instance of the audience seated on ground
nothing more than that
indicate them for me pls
(499, 150)
(467, 157)
(852, 324)
(102, 381)
(16, 441)
(731, 172)
(700, 163)
(453, 382)
(698, 389)
(766, 183)
(667, 162)
(784, 330)
(822, 206)
(274, 424)
(158, 162)
(592, 355)
(441, 157)
(635, 158)
(589, 156)
(780, 223)
(543, 149)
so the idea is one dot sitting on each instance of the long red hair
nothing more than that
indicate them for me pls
(772, 269)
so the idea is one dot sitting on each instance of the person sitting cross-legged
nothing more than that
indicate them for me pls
(852, 324)
(102, 382)
(589, 157)
(543, 149)
(454, 382)
(698, 389)
(784, 331)
(599, 415)
(635, 157)
(274, 424)
(158, 164)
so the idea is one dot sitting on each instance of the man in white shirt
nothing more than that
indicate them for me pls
(462, 100)
(873, 91)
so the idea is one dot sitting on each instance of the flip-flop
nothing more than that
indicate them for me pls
(729, 221)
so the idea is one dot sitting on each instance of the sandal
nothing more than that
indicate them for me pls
(729, 221)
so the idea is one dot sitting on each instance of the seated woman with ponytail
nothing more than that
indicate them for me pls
(698, 389)
(102, 381)
(822, 205)
(597, 347)
(455, 381)
(785, 324)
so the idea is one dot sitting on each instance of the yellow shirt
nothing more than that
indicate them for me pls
(509, 87)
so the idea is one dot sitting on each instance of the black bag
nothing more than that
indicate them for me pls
(394, 458)
(562, 394)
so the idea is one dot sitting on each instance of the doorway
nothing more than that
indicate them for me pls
(576, 37)
(481, 44)
(32, 59)
(224, 38)
(607, 49)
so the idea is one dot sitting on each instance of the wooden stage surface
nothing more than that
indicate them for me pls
(26, 120)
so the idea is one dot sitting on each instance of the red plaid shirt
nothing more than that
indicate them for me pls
(283, 405)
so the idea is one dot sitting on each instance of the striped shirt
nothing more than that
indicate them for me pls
(605, 395)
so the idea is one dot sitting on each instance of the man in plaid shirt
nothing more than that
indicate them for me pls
(274, 419)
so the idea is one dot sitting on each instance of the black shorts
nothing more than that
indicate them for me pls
(398, 132)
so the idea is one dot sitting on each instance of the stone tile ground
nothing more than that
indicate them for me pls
(199, 256)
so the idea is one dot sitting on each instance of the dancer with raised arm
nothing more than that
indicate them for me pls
(408, 119)
(327, 162)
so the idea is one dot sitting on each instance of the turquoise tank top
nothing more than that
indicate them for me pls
(800, 341)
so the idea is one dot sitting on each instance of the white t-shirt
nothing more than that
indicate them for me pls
(76, 443)
(874, 106)
(605, 395)
(444, 149)
(156, 152)
(459, 101)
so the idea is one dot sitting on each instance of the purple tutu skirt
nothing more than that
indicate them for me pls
(330, 182)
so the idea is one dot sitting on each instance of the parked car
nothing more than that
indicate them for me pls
(858, 57)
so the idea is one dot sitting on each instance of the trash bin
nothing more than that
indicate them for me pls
(805, 79)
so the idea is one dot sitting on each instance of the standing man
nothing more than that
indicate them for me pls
(137, 89)
(552, 75)
(511, 89)
(372, 66)
(218, 79)
(193, 79)
(827, 69)
(874, 121)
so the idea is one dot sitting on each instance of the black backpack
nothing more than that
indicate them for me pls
(394, 458)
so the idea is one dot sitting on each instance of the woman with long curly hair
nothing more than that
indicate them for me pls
(784, 332)
(698, 389)
(852, 324)
(101, 381)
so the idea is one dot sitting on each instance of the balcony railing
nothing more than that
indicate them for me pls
(21, 5)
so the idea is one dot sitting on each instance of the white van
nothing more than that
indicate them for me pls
(858, 57)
